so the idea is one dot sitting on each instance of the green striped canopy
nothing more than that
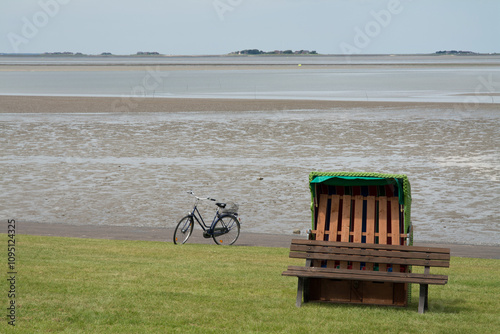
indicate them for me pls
(364, 179)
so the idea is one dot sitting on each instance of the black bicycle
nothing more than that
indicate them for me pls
(225, 227)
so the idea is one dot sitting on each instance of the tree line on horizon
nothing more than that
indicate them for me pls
(275, 52)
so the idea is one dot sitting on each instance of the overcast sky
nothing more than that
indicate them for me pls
(220, 26)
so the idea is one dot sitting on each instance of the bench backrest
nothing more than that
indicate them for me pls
(331, 254)
(360, 219)
(367, 219)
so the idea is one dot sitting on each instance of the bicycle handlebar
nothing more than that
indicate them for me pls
(201, 198)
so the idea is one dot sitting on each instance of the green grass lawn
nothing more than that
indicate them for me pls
(86, 286)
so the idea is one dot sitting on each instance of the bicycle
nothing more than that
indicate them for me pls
(225, 227)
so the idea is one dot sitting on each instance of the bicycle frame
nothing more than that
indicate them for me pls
(195, 213)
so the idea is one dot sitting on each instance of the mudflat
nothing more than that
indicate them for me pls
(72, 104)
(79, 161)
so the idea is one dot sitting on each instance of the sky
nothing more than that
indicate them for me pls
(206, 27)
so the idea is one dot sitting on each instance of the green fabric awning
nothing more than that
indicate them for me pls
(351, 180)
(360, 181)
(365, 179)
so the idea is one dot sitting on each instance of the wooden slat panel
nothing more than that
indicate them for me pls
(346, 218)
(369, 252)
(358, 218)
(334, 221)
(334, 217)
(368, 273)
(372, 259)
(320, 226)
(395, 226)
(358, 224)
(382, 220)
(361, 275)
(346, 224)
(370, 220)
(374, 246)
(382, 225)
(370, 224)
(356, 277)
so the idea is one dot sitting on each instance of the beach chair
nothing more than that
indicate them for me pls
(369, 208)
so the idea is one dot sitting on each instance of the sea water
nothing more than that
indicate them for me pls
(383, 78)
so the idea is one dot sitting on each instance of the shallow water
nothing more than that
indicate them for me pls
(134, 168)
(472, 80)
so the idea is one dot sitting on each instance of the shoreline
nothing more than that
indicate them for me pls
(16, 67)
(245, 239)
(97, 104)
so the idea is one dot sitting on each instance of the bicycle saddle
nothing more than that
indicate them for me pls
(221, 205)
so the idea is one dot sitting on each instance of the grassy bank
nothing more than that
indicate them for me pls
(85, 285)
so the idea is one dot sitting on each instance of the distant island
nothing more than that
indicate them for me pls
(140, 53)
(66, 53)
(246, 52)
(455, 52)
(154, 53)
(275, 52)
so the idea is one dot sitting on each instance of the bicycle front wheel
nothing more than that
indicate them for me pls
(226, 230)
(183, 230)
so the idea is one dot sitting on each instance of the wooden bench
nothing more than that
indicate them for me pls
(372, 266)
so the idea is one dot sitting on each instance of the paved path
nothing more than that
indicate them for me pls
(246, 239)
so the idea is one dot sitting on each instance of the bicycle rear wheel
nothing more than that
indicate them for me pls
(183, 230)
(226, 230)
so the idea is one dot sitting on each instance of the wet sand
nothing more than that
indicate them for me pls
(76, 161)
(60, 104)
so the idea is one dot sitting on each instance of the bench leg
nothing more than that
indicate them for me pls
(423, 302)
(300, 292)
(306, 290)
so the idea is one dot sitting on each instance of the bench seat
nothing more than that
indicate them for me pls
(364, 275)
(328, 260)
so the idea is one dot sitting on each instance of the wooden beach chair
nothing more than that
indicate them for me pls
(360, 208)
